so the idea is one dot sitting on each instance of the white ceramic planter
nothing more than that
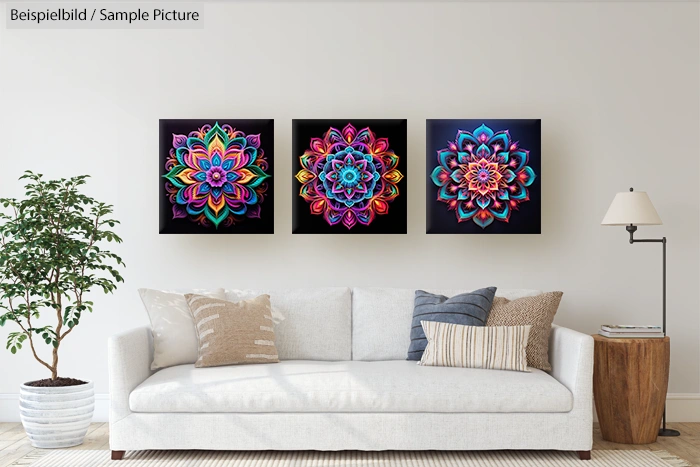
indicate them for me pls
(56, 417)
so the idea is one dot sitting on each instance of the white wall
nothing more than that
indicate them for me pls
(616, 87)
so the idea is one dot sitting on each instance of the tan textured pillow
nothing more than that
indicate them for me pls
(233, 333)
(491, 348)
(538, 312)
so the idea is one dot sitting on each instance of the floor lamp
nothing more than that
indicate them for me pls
(631, 209)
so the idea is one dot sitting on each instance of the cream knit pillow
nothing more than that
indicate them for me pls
(231, 333)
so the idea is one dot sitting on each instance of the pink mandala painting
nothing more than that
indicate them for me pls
(216, 176)
(349, 176)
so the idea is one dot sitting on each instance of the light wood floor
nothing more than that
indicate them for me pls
(14, 443)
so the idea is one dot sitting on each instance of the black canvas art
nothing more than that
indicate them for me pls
(216, 176)
(349, 176)
(483, 176)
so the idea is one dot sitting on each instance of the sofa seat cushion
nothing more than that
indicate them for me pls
(350, 386)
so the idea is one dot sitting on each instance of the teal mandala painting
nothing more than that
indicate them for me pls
(483, 176)
(216, 176)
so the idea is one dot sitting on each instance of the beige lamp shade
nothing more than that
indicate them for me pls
(631, 207)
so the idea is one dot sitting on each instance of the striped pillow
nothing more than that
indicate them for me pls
(231, 333)
(493, 348)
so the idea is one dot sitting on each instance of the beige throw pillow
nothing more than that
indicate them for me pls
(538, 312)
(491, 348)
(233, 333)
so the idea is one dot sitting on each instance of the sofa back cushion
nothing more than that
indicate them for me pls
(310, 324)
(381, 319)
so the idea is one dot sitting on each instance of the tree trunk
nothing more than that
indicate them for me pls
(54, 366)
(59, 309)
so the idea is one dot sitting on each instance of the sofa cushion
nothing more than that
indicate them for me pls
(311, 386)
(316, 324)
(381, 319)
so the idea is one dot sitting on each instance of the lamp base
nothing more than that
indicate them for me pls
(668, 432)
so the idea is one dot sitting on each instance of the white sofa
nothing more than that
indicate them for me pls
(344, 384)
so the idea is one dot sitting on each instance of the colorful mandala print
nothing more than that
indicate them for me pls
(483, 176)
(216, 176)
(349, 176)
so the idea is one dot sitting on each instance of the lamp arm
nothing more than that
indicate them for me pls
(633, 228)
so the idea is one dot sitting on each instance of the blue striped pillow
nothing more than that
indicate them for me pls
(467, 309)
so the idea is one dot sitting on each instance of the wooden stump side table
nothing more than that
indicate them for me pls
(630, 379)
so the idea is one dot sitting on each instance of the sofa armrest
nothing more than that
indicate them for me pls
(571, 357)
(129, 358)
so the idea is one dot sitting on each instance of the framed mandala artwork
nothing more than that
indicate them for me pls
(483, 176)
(216, 176)
(349, 176)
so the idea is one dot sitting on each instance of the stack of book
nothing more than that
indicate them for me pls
(628, 331)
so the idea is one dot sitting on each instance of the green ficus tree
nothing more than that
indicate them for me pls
(50, 258)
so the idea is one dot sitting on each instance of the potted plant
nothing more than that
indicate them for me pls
(50, 258)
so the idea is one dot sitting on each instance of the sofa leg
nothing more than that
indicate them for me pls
(117, 455)
(584, 455)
